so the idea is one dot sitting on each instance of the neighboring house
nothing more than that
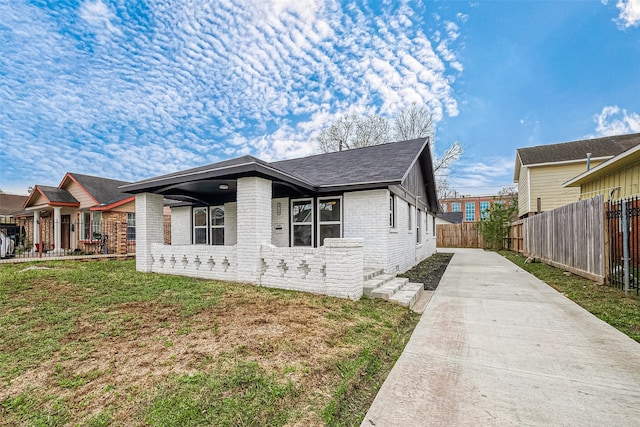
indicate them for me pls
(309, 224)
(473, 208)
(617, 178)
(541, 171)
(444, 218)
(10, 208)
(84, 213)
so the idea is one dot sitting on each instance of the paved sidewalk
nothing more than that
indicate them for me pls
(497, 347)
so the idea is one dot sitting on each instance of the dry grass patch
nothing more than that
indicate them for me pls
(100, 344)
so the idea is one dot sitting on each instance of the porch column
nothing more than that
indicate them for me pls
(57, 230)
(149, 228)
(254, 226)
(36, 228)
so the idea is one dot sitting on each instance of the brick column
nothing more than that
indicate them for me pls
(254, 226)
(149, 227)
(344, 267)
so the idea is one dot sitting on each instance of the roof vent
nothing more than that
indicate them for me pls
(588, 161)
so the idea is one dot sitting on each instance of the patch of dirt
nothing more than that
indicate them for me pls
(130, 348)
(429, 271)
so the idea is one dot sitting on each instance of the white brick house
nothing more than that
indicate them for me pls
(311, 224)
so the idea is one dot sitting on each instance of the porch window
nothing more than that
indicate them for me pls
(200, 226)
(302, 222)
(217, 225)
(392, 211)
(418, 227)
(90, 225)
(131, 226)
(329, 218)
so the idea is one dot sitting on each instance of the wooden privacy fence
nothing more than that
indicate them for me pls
(465, 235)
(570, 237)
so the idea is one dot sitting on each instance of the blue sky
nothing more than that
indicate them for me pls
(130, 90)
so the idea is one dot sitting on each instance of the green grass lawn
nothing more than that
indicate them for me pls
(606, 302)
(99, 344)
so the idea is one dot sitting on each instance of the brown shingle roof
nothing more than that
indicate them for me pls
(607, 146)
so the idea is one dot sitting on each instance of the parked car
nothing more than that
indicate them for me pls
(7, 246)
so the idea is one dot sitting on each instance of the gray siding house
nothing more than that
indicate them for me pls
(312, 224)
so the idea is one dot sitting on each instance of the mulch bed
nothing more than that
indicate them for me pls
(429, 271)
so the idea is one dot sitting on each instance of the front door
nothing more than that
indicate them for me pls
(65, 231)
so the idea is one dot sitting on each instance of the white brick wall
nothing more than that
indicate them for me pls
(230, 223)
(280, 238)
(204, 261)
(366, 216)
(254, 225)
(149, 228)
(298, 269)
(344, 267)
(181, 225)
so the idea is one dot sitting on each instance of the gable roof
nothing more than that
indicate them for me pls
(104, 191)
(368, 167)
(600, 148)
(11, 204)
(620, 161)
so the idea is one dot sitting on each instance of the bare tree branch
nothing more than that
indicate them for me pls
(414, 122)
(450, 156)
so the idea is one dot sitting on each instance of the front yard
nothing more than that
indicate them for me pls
(97, 344)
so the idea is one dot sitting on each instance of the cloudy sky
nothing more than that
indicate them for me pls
(130, 90)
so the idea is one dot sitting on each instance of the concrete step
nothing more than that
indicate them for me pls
(374, 283)
(389, 288)
(370, 273)
(408, 294)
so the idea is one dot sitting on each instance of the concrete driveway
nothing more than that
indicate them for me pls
(497, 347)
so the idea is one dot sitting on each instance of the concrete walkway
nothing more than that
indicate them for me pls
(497, 347)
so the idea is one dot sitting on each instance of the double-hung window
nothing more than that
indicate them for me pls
(418, 226)
(131, 226)
(90, 225)
(409, 213)
(208, 225)
(216, 215)
(302, 222)
(329, 218)
(200, 226)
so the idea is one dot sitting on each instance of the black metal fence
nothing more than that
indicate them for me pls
(624, 243)
(76, 238)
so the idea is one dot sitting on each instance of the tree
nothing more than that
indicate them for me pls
(352, 131)
(495, 227)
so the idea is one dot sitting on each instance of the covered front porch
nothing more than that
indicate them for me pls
(246, 237)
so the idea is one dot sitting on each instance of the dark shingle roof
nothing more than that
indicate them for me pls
(104, 190)
(11, 203)
(378, 163)
(607, 146)
(452, 217)
(56, 195)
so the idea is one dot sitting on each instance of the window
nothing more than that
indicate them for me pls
(302, 222)
(409, 222)
(484, 209)
(200, 226)
(392, 211)
(455, 207)
(131, 226)
(329, 218)
(418, 227)
(85, 226)
(470, 211)
(217, 225)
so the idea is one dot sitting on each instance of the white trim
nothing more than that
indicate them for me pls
(566, 162)
(320, 222)
(205, 226)
(528, 190)
(310, 224)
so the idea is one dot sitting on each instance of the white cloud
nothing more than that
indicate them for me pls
(613, 120)
(629, 13)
